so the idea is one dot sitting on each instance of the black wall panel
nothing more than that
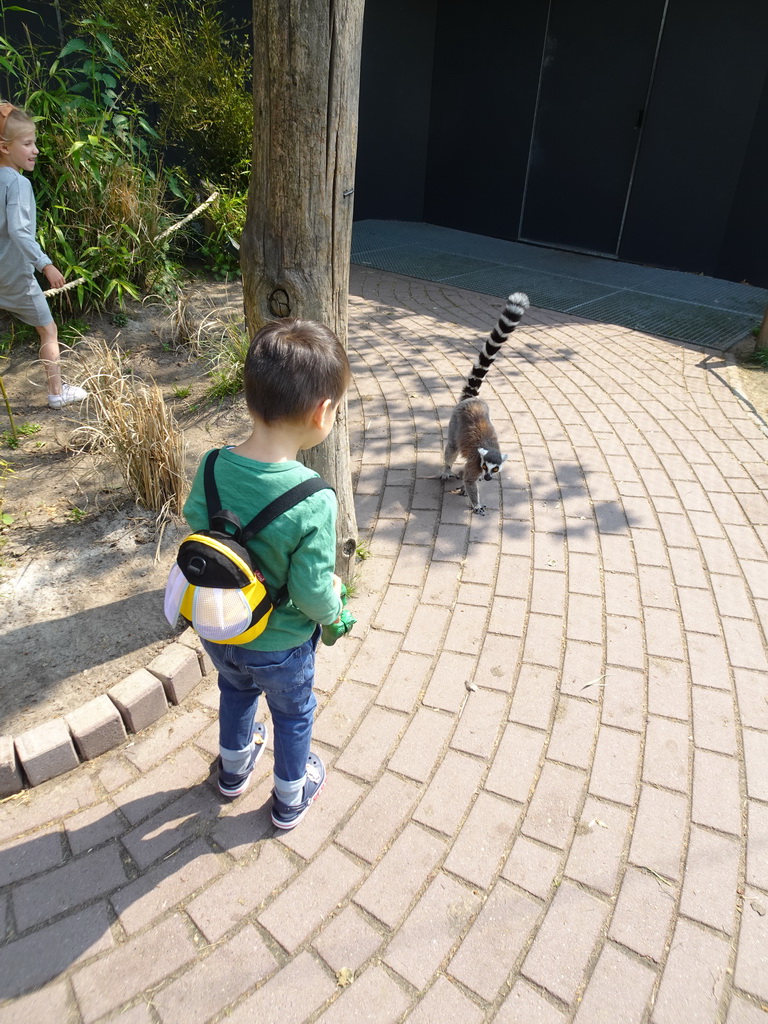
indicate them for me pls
(487, 60)
(712, 65)
(395, 94)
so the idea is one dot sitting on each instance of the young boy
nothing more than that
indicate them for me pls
(296, 373)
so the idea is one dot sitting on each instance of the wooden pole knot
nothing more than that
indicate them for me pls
(279, 303)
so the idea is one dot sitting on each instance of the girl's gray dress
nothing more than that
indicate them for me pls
(20, 255)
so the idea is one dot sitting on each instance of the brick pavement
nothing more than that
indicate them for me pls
(579, 836)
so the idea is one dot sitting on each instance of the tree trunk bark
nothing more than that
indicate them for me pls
(762, 335)
(296, 244)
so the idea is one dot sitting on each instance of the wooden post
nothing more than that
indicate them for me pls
(295, 248)
(762, 335)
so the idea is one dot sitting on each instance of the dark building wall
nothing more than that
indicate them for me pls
(395, 96)
(691, 168)
(487, 60)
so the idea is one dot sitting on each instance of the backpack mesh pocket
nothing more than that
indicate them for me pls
(220, 614)
(174, 594)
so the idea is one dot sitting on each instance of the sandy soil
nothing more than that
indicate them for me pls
(82, 568)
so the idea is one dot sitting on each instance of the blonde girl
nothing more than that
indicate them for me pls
(20, 255)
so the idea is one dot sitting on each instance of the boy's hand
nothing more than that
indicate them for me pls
(53, 276)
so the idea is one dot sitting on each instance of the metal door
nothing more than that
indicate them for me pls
(595, 79)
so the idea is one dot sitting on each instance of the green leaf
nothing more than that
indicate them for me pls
(74, 46)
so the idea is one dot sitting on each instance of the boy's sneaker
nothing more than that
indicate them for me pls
(286, 816)
(69, 393)
(231, 785)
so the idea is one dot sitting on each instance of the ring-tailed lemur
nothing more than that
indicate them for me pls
(470, 431)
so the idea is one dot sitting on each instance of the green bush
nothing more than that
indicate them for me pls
(101, 192)
(195, 66)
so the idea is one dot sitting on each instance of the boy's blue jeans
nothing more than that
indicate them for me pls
(286, 679)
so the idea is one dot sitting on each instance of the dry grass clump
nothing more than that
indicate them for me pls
(181, 327)
(130, 425)
(225, 340)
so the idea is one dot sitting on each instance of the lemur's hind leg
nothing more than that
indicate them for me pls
(451, 451)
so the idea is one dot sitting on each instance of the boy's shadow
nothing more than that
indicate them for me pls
(63, 909)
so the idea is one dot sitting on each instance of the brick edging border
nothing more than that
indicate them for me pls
(103, 723)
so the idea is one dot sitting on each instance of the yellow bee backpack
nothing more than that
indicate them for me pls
(214, 584)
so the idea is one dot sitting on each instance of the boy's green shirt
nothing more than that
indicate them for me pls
(297, 548)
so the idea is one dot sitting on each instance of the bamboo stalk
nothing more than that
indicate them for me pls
(8, 409)
(190, 216)
(64, 287)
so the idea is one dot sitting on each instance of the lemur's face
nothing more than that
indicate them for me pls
(491, 462)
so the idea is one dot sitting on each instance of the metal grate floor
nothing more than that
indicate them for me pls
(684, 307)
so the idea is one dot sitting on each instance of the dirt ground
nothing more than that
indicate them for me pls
(82, 568)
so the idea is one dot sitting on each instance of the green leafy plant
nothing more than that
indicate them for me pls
(228, 347)
(181, 392)
(76, 515)
(22, 430)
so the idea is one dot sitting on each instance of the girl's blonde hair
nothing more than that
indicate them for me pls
(13, 121)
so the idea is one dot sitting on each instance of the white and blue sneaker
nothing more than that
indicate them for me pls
(231, 785)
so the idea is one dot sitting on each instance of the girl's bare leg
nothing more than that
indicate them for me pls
(49, 356)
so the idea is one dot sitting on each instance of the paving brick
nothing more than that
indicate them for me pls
(625, 644)
(240, 891)
(644, 913)
(532, 867)
(756, 763)
(750, 691)
(427, 629)
(340, 716)
(47, 1004)
(10, 775)
(739, 1012)
(620, 989)
(516, 763)
(405, 681)
(395, 611)
(380, 815)
(189, 638)
(52, 803)
(374, 994)
(623, 699)
(565, 941)
(497, 664)
(397, 878)
(441, 585)
(711, 880)
(543, 640)
(167, 735)
(217, 981)
(657, 838)
(692, 983)
(30, 962)
(665, 762)
(65, 887)
(446, 1003)
(716, 795)
(708, 661)
(422, 744)
(687, 568)
(291, 996)
(714, 727)
(484, 712)
(92, 827)
(168, 829)
(668, 689)
(115, 771)
(447, 687)
(507, 616)
(752, 959)
(757, 844)
(178, 669)
(431, 930)
(46, 751)
(597, 848)
(339, 797)
(96, 727)
(484, 840)
(548, 592)
(573, 732)
(615, 765)
(164, 886)
(25, 857)
(555, 805)
(524, 1005)
(138, 964)
(699, 612)
(498, 936)
(369, 748)
(584, 618)
(513, 576)
(450, 792)
(534, 696)
(309, 899)
(375, 655)
(744, 640)
(140, 699)
(348, 940)
(582, 669)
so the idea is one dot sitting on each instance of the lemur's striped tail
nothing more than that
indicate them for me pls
(511, 316)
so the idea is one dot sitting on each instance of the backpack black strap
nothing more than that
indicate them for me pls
(282, 503)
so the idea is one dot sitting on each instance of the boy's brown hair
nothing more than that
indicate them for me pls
(291, 366)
